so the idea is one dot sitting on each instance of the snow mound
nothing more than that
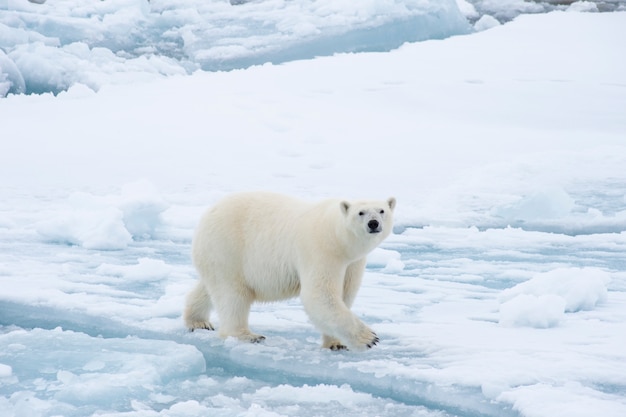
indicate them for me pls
(5, 371)
(486, 22)
(552, 209)
(146, 269)
(141, 207)
(87, 223)
(11, 80)
(388, 260)
(526, 310)
(106, 223)
(549, 203)
(543, 301)
(583, 6)
(57, 44)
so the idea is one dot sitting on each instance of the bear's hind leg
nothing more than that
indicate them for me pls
(329, 342)
(197, 308)
(234, 309)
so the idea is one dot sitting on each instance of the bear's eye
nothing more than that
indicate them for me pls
(361, 213)
(382, 212)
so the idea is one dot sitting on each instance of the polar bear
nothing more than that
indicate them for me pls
(261, 246)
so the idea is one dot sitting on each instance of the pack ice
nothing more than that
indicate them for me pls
(49, 47)
(501, 292)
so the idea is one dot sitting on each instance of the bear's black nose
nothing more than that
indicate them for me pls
(373, 225)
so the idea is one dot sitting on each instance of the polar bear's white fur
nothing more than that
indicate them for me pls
(265, 247)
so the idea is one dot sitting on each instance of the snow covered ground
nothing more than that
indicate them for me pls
(502, 291)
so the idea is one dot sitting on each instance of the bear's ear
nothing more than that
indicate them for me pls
(345, 206)
(392, 203)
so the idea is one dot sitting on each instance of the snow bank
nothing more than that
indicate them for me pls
(542, 301)
(57, 44)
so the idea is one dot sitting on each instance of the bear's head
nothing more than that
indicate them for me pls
(372, 219)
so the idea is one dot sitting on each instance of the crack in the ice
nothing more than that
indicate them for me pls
(454, 401)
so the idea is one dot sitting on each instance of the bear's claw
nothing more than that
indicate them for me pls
(203, 326)
(374, 341)
(338, 347)
(248, 337)
(257, 339)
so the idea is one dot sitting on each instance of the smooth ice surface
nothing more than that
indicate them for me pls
(502, 291)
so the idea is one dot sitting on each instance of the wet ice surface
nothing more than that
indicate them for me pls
(502, 291)
(102, 333)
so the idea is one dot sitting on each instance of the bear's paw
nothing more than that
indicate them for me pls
(366, 339)
(337, 347)
(251, 338)
(204, 325)
(374, 341)
(332, 343)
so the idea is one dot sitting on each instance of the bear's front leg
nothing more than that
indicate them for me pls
(351, 284)
(322, 297)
